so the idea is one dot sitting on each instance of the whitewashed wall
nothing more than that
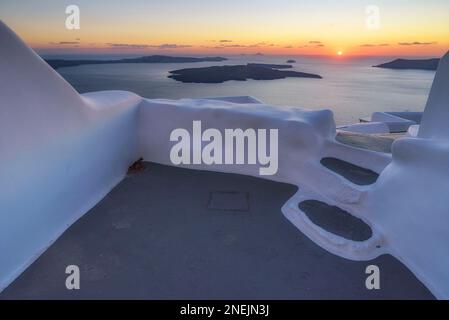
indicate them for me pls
(61, 152)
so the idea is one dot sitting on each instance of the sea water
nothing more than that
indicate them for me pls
(350, 87)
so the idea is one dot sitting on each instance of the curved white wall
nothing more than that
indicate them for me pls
(410, 205)
(60, 152)
(302, 133)
(435, 120)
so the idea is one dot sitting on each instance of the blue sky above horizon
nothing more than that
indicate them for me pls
(323, 27)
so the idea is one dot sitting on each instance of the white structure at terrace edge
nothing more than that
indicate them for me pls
(62, 152)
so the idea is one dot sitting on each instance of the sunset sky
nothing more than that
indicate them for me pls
(288, 27)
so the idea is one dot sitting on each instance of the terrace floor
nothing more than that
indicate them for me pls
(168, 233)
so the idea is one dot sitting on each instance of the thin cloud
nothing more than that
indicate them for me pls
(416, 43)
(172, 46)
(374, 45)
(62, 43)
(312, 44)
(319, 45)
(261, 44)
(145, 46)
(233, 46)
(223, 44)
(128, 45)
(238, 45)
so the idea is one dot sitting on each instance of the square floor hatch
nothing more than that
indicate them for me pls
(229, 200)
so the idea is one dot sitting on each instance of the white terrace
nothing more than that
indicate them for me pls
(61, 153)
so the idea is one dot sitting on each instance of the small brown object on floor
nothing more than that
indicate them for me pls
(136, 167)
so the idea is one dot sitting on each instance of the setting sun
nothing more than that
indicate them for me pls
(340, 53)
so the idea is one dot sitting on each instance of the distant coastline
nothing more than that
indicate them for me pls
(60, 63)
(417, 64)
(253, 71)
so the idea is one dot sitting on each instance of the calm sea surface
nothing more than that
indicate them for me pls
(351, 88)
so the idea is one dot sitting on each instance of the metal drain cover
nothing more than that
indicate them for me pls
(229, 200)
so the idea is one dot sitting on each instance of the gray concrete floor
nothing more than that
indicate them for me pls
(155, 237)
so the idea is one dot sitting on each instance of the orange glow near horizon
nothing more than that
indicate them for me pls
(436, 48)
(286, 27)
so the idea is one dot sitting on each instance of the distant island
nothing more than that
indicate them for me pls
(291, 61)
(219, 74)
(59, 63)
(269, 65)
(419, 64)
